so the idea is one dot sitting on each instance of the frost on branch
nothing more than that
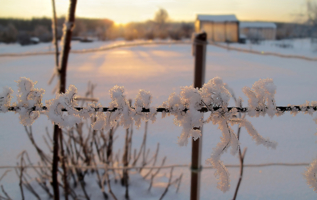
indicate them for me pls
(228, 139)
(261, 97)
(28, 97)
(310, 175)
(55, 106)
(217, 94)
(5, 99)
(259, 140)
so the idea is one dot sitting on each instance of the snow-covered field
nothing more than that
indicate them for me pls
(163, 69)
(300, 47)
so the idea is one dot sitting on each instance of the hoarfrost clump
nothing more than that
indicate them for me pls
(29, 99)
(228, 139)
(5, 99)
(310, 111)
(143, 100)
(310, 175)
(55, 106)
(110, 119)
(217, 94)
(261, 98)
(123, 114)
(191, 120)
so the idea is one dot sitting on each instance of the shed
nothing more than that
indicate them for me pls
(258, 30)
(219, 28)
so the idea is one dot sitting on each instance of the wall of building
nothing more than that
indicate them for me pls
(259, 33)
(220, 31)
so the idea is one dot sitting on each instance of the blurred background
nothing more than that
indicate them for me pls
(28, 22)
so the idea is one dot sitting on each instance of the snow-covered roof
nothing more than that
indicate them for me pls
(217, 18)
(257, 25)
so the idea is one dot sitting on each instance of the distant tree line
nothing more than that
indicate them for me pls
(292, 30)
(20, 30)
(17, 30)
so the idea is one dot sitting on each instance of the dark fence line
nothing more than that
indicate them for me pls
(107, 48)
(203, 109)
(115, 46)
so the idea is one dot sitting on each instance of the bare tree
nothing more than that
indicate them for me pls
(161, 17)
(311, 12)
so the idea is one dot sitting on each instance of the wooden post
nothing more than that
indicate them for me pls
(199, 46)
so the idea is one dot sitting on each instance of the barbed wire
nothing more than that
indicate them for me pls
(160, 109)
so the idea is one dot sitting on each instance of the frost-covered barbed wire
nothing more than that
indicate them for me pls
(187, 107)
(28, 97)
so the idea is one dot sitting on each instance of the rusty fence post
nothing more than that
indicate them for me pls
(199, 51)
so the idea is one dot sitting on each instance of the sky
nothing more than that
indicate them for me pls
(124, 11)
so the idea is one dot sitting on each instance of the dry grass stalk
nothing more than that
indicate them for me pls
(154, 174)
(169, 183)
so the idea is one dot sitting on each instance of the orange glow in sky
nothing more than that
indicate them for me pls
(124, 11)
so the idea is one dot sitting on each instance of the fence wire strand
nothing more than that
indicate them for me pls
(145, 43)
(203, 109)
(159, 167)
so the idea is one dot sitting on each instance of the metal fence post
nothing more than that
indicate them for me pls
(199, 51)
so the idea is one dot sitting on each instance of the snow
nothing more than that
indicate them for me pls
(299, 47)
(163, 70)
(217, 18)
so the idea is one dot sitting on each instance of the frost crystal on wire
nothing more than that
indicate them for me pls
(28, 98)
(62, 101)
(5, 99)
(185, 107)
(261, 97)
(143, 100)
(217, 94)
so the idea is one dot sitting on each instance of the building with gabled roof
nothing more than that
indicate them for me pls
(219, 28)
